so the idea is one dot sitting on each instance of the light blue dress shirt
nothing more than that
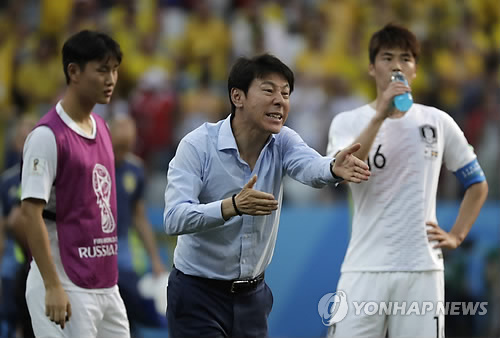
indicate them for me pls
(206, 169)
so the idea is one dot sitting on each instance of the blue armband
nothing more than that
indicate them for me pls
(470, 174)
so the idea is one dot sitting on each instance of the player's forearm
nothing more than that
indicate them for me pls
(146, 234)
(15, 228)
(367, 137)
(473, 200)
(145, 231)
(38, 241)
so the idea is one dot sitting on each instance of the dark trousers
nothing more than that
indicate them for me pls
(196, 308)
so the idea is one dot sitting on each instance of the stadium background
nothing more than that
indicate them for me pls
(173, 78)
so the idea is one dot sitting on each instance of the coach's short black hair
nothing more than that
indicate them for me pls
(86, 46)
(245, 70)
(392, 36)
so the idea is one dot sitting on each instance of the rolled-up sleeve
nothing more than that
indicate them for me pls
(184, 213)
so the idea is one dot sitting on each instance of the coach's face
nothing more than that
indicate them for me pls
(265, 106)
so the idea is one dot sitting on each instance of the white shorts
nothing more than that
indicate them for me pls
(401, 319)
(94, 315)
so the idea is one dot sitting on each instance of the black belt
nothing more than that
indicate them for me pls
(231, 286)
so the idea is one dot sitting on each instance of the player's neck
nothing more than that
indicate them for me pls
(76, 107)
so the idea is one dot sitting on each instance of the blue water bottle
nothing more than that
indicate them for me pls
(404, 101)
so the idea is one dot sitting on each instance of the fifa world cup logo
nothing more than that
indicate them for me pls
(101, 182)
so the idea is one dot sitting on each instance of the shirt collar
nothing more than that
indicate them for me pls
(226, 138)
(73, 125)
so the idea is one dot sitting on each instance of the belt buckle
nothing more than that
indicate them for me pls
(236, 283)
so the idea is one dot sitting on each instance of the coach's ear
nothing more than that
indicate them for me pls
(237, 96)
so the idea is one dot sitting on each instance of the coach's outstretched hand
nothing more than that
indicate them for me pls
(249, 201)
(349, 167)
(254, 202)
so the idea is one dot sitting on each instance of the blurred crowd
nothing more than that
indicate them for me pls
(177, 55)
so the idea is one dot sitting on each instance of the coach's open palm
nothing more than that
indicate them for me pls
(57, 306)
(255, 202)
(349, 167)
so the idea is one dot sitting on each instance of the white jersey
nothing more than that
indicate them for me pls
(391, 208)
(38, 175)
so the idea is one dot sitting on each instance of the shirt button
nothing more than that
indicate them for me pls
(244, 261)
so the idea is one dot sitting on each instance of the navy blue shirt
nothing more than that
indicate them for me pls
(10, 185)
(129, 190)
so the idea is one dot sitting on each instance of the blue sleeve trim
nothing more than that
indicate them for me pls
(470, 174)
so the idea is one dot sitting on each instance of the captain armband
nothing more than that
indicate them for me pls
(470, 174)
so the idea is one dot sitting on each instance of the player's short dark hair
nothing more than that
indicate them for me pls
(245, 70)
(392, 36)
(86, 46)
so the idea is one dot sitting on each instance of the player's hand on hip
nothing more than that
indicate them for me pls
(349, 167)
(254, 202)
(444, 239)
(57, 306)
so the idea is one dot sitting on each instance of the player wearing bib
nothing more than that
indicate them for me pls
(394, 254)
(68, 209)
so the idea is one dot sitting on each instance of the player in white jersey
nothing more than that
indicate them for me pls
(394, 253)
(68, 202)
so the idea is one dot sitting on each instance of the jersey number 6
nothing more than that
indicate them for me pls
(378, 159)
